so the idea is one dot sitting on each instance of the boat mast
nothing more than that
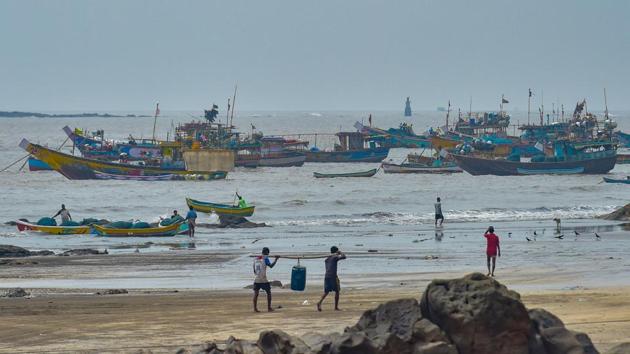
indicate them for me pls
(470, 109)
(233, 104)
(448, 111)
(542, 107)
(605, 104)
(157, 112)
(529, 103)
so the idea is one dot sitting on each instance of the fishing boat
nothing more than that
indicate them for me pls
(623, 159)
(159, 231)
(109, 176)
(73, 167)
(419, 168)
(220, 209)
(280, 152)
(570, 158)
(53, 230)
(403, 136)
(369, 173)
(352, 147)
(615, 180)
(624, 138)
(37, 165)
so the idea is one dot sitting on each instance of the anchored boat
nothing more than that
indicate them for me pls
(73, 167)
(53, 230)
(369, 173)
(159, 231)
(614, 180)
(220, 209)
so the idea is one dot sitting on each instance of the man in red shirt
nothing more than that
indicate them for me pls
(493, 249)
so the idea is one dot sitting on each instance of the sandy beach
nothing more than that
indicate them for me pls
(163, 320)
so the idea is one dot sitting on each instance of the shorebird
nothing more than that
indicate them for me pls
(576, 233)
(527, 238)
(597, 237)
(509, 234)
(560, 237)
(535, 234)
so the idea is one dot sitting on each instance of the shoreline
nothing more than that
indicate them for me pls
(129, 322)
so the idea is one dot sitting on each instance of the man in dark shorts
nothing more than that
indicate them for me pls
(492, 250)
(331, 281)
(191, 217)
(260, 281)
(438, 212)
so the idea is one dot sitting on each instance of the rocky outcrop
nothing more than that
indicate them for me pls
(83, 252)
(621, 214)
(237, 222)
(9, 251)
(17, 292)
(474, 314)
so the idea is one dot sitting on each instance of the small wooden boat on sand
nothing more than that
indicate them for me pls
(53, 230)
(159, 231)
(220, 209)
(369, 173)
(615, 180)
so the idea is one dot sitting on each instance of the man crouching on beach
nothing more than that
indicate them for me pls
(261, 282)
(492, 249)
(331, 281)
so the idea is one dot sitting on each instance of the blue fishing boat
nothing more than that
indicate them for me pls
(595, 157)
(624, 138)
(352, 147)
(403, 136)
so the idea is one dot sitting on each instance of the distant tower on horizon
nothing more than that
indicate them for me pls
(408, 108)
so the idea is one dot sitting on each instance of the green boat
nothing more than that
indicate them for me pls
(220, 209)
(369, 173)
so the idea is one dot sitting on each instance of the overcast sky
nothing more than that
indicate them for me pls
(311, 55)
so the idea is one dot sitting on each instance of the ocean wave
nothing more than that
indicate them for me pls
(470, 215)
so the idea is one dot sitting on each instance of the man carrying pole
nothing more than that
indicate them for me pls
(331, 281)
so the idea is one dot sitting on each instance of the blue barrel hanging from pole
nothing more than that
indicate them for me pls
(298, 277)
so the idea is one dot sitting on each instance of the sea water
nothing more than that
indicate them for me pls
(388, 213)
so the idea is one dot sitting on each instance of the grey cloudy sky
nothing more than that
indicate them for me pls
(310, 55)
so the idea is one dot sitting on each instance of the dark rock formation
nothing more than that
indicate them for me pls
(82, 252)
(9, 251)
(621, 214)
(17, 292)
(237, 222)
(474, 314)
(112, 292)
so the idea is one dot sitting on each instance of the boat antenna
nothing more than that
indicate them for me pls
(157, 112)
(448, 112)
(529, 103)
(233, 104)
(227, 112)
(605, 104)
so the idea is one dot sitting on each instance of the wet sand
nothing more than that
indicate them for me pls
(164, 320)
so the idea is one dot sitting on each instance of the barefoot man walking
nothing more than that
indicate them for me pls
(331, 281)
(260, 282)
(493, 249)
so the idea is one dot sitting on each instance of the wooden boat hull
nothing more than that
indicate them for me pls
(614, 180)
(411, 168)
(161, 231)
(73, 167)
(369, 173)
(364, 155)
(283, 160)
(480, 166)
(37, 165)
(220, 209)
(53, 230)
(623, 159)
(109, 176)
